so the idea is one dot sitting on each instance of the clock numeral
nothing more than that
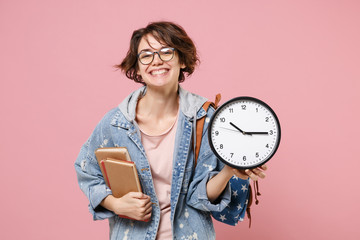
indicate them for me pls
(244, 158)
(221, 146)
(271, 132)
(243, 107)
(267, 119)
(231, 110)
(232, 154)
(267, 145)
(257, 110)
(216, 133)
(257, 154)
(222, 119)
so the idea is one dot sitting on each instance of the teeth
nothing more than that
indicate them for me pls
(158, 72)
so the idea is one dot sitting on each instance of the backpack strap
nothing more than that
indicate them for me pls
(250, 200)
(200, 125)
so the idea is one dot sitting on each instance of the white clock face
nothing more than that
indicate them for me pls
(244, 132)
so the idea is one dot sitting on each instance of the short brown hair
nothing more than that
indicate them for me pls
(170, 33)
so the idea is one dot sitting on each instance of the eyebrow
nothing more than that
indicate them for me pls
(146, 49)
(152, 49)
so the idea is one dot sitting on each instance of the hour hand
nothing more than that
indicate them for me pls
(237, 128)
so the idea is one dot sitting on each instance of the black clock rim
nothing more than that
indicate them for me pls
(218, 110)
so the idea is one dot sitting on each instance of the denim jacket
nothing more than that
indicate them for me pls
(190, 207)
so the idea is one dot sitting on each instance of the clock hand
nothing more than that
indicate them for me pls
(265, 133)
(237, 128)
(248, 133)
(230, 129)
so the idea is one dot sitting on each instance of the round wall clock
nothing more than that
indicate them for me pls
(244, 133)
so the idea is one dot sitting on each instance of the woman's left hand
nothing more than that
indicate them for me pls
(254, 173)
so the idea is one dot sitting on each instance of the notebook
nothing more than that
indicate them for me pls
(118, 153)
(121, 176)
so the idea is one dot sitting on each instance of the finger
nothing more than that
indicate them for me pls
(241, 174)
(148, 205)
(147, 216)
(146, 197)
(148, 210)
(136, 194)
(264, 167)
(251, 174)
(142, 203)
(259, 173)
(145, 210)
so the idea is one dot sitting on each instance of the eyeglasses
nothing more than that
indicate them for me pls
(165, 54)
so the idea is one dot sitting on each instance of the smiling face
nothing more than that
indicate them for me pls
(158, 73)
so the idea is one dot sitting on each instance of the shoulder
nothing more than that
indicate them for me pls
(190, 103)
(112, 118)
(109, 116)
(103, 133)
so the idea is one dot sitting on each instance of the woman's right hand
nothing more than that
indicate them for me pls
(134, 205)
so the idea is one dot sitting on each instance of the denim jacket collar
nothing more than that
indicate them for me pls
(190, 104)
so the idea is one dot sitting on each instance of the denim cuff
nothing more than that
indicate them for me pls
(204, 203)
(96, 195)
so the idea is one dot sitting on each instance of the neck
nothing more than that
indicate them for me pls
(159, 102)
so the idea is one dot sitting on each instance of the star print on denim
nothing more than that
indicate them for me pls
(236, 209)
(243, 188)
(234, 193)
(239, 206)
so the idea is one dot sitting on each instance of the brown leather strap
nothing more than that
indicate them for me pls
(257, 193)
(250, 200)
(200, 125)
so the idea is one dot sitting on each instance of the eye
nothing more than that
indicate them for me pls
(166, 51)
(145, 55)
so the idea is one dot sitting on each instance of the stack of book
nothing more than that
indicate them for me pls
(118, 170)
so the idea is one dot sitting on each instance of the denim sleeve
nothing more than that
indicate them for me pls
(206, 168)
(88, 172)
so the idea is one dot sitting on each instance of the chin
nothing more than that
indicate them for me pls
(161, 82)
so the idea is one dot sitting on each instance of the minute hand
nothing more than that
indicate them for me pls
(258, 133)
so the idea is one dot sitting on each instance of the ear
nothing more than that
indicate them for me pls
(137, 70)
(182, 66)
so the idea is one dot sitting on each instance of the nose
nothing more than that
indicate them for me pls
(157, 59)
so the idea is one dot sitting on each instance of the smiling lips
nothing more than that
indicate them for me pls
(159, 71)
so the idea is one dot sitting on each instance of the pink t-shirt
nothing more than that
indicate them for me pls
(159, 151)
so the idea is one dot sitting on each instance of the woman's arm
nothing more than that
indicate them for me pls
(218, 183)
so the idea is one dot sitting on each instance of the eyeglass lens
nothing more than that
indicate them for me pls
(165, 54)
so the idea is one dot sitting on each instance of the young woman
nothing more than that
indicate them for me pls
(156, 125)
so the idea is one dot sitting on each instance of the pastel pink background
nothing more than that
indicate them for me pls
(57, 81)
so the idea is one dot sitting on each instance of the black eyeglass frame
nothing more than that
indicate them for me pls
(153, 55)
